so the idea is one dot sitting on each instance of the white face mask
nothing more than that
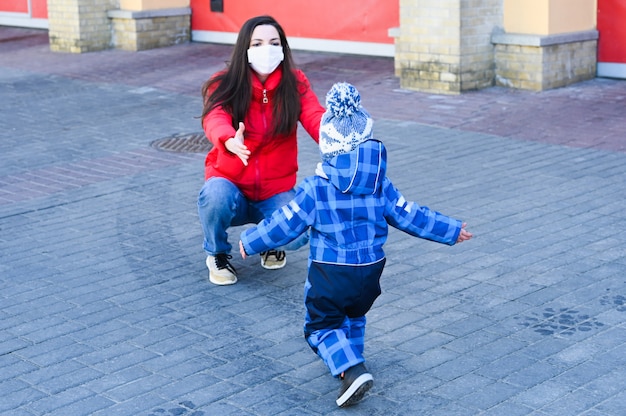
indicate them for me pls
(265, 59)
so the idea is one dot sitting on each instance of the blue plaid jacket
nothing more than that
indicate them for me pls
(347, 206)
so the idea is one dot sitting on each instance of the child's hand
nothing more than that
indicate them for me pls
(464, 234)
(241, 250)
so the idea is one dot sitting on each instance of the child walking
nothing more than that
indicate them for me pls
(347, 206)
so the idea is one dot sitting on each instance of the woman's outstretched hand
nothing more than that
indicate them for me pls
(236, 146)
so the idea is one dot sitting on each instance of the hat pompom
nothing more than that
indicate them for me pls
(345, 124)
(343, 100)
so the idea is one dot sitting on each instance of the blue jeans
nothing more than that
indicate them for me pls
(221, 205)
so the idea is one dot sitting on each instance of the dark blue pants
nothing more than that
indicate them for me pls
(337, 297)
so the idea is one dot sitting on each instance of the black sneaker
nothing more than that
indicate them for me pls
(356, 381)
(273, 259)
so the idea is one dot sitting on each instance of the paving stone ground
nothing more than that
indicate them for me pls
(105, 305)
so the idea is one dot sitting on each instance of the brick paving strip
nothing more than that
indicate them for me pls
(587, 115)
(38, 183)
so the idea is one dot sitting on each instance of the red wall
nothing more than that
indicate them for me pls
(14, 6)
(346, 20)
(39, 7)
(612, 29)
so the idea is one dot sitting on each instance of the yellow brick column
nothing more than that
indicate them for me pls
(139, 5)
(546, 43)
(79, 25)
(147, 24)
(445, 46)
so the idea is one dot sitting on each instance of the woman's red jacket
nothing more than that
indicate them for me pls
(273, 161)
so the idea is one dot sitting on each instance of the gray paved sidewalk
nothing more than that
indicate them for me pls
(105, 305)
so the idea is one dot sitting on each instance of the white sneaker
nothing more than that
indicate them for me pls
(221, 272)
(273, 259)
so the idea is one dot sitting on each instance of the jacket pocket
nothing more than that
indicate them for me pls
(227, 163)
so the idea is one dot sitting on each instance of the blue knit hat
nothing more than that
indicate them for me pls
(345, 124)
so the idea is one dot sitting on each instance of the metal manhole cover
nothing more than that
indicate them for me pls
(184, 143)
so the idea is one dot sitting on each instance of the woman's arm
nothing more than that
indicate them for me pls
(311, 110)
(218, 127)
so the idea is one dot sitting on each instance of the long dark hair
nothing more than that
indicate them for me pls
(232, 89)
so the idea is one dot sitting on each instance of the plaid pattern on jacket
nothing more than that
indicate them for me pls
(347, 206)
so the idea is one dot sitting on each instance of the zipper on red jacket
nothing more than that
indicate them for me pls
(257, 192)
(256, 162)
(264, 108)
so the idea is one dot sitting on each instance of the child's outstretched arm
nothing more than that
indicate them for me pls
(242, 251)
(420, 221)
(284, 225)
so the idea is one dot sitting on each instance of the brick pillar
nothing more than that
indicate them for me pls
(445, 46)
(546, 44)
(148, 24)
(79, 25)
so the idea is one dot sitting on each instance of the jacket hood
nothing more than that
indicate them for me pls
(359, 172)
